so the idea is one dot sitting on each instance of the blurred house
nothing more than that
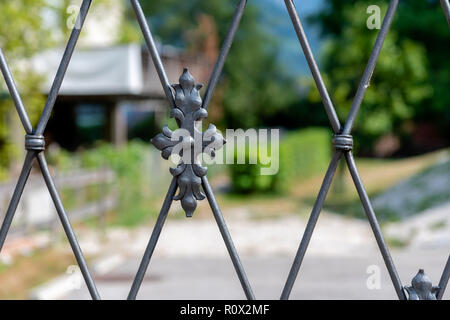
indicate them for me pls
(110, 91)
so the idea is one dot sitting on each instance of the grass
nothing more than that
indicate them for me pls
(376, 174)
(397, 242)
(438, 225)
(30, 271)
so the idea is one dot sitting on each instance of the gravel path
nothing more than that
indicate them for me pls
(214, 278)
(191, 262)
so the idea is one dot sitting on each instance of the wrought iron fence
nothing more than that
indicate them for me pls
(187, 106)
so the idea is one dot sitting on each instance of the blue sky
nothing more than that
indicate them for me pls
(275, 20)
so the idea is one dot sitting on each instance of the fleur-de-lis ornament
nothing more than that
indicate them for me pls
(188, 142)
(421, 288)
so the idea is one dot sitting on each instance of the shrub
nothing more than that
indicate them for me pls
(247, 177)
(134, 201)
(136, 190)
(303, 153)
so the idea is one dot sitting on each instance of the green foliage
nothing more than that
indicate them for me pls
(133, 190)
(135, 196)
(21, 24)
(302, 154)
(430, 30)
(247, 177)
(411, 80)
(63, 13)
(400, 85)
(22, 36)
(253, 88)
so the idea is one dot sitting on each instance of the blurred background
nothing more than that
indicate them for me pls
(112, 181)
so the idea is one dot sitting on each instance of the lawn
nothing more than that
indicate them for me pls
(377, 176)
(29, 271)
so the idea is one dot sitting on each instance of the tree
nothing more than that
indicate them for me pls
(253, 87)
(403, 85)
(429, 28)
(21, 36)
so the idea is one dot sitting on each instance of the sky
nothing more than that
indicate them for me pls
(276, 21)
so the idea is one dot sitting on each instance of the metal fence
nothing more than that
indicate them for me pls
(190, 179)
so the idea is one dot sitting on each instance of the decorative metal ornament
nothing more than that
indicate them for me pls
(188, 142)
(421, 288)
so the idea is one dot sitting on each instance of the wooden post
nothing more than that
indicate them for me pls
(118, 128)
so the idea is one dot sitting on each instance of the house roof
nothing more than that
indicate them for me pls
(114, 71)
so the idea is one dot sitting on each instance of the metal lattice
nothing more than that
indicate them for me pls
(343, 144)
(187, 107)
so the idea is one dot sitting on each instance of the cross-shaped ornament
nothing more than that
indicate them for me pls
(188, 142)
(188, 108)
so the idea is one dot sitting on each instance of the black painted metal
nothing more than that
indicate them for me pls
(421, 288)
(188, 112)
(444, 280)
(190, 177)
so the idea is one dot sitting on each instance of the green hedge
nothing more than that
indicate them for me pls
(303, 153)
(135, 195)
(247, 178)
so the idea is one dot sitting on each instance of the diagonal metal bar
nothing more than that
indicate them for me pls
(23, 178)
(328, 104)
(56, 86)
(67, 227)
(227, 239)
(15, 94)
(446, 7)
(311, 225)
(367, 75)
(169, 198)
(374, 225)
(153, 51)
(444, 280)
(153, 240)
(345, 133)
(234, 25)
